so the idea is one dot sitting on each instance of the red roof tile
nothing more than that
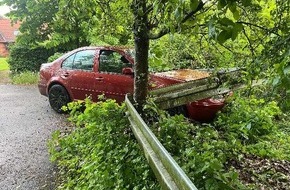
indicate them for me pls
(7, 30)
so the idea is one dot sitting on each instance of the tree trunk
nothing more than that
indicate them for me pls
(141, 53)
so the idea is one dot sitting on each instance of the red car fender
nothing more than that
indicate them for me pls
(204, 110)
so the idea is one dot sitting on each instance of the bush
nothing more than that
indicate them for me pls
(249, 119)
(208, 152)
(101, 153)
(54, 56)
(25, 58)
(199, 150)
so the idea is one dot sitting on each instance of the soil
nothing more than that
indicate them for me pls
(26, 125)
(265, 174)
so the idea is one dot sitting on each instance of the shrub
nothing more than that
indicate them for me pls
(207, 152)
(249, 119)
(25, 58)
(198, 149)
(101, 153)
(54, 56)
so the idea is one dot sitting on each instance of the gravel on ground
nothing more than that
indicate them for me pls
(26, 125)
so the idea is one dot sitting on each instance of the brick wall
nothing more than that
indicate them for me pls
(3, 50)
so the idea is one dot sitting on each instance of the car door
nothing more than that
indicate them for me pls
(78, 74)
(112, 78)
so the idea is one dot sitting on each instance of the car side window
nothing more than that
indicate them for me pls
(82, 60)
(113, 62)
(68, 62)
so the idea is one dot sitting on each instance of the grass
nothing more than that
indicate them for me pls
(22, 78)
(25, 78)
(3, 64)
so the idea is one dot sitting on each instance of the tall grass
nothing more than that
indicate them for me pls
(25, 78)
(3, 64)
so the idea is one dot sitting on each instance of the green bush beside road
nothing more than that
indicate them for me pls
(102, 151)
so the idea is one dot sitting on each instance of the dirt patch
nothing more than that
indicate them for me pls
(4, 77)
(265, 173)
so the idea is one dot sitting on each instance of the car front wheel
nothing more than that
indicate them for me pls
(58, 97)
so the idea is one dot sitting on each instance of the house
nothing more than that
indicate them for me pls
(8, 33)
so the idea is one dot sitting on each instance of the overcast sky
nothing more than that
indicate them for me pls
(4, 10)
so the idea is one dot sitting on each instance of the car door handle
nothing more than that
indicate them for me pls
(99, 78)
(64, 75)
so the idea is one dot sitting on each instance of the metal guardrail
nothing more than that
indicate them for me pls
(182, 93)
(167, 171)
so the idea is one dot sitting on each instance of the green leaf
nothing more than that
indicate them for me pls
(286, 70)
(177, 13)
(246, 3)
(211, 184)
(236, 15)
(236, 30)
(216, 165)
(194, 4)
(276, 81)
(223, 36)
(222, 4)
(233, 7)
(249, 126)
(212, 30)
(226, 22)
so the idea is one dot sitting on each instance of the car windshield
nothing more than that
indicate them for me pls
(131, 52)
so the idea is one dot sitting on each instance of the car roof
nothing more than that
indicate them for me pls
(104, 47)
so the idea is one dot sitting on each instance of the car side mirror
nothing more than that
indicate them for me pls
(127, 71)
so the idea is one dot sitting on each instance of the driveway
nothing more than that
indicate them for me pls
(26, 124)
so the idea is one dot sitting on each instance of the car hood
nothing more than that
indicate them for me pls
(162, 79)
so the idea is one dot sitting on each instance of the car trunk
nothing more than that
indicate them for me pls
(201, 110)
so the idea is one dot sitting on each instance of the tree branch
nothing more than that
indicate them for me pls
(199, 7)
(258, 26)
(251, 47)
(166, 30)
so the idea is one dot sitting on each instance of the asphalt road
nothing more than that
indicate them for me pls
(26, 124)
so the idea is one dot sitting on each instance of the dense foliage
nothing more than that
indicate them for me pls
(25, 58)
(102, 152)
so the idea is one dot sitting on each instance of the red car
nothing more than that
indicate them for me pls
(93, 71)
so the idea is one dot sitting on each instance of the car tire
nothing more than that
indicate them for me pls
(178, 110)
(58, 97)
